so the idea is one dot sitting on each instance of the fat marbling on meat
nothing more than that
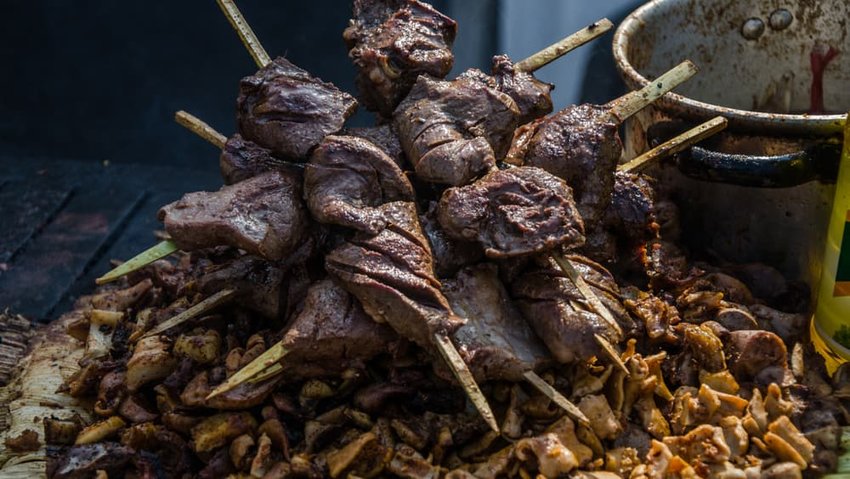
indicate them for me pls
(347, 178)
(513, 212)
(392, 274)
(263, 215)
(392, 42)
(285, 109)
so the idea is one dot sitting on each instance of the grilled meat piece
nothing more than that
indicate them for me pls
(257, 281)
(579, 144)
(85, 460)
(285, 109)
(392, 274)
(496, 342)
(449, 254)
(632, 209)
(242, 159)
(392, 42)
(384, 138)
(347, 178)
(559, 313)
(263, 215)
(532, 96)
(453, 131)
(331, 334)
(513, 212)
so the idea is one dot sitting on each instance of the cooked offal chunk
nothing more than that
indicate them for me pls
(392, 274)
(453, 131)
(242, 159)
(513, 212)
(392, 42)
(287, 110)
(263, 215)
(347, 178)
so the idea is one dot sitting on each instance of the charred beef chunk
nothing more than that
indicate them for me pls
(257, 281)
(263, 215)
(452, 132)
(579, 144)
(285, 109)
(449, 254)
(632, 209)
(392, 274)
(331, 334)
(532, 96)
(513, 212)
(85, 460)
(392, 42)
(559, 313)
(496, 342)
(384, 138)
(242, 159)
(347, 178)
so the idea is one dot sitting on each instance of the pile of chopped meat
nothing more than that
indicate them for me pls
(348, 251)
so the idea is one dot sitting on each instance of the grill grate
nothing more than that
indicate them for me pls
(61, 221)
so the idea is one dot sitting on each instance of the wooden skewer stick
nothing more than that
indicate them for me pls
(633, 102)
(675, 145)
(611, 353)
(246, 34)
(584, 288)
(146, 257)
(571, 409)
(568, 44)
(464, 377)
(198, 309)
(198, 127)
(270, 372)
(262, 365)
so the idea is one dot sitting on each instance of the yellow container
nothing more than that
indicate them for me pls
(831, 323)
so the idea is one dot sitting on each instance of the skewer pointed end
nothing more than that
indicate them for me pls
(265, 366)
(464, 377)
(562, 47)
(556, 397)
(611, 353)
(139, 261)
(198, 309)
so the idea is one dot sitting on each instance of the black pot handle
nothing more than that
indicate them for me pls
(816, 162)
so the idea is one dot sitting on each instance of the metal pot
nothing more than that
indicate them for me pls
(760, 190)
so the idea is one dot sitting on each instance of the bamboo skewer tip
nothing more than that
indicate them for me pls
(675, 144)
(146, 257)
(246, 34)
(464, 377)
(200, 128)
(194, 311)
(564, 46)
(259, 366)
(611, 353)
(632, 102)
(571, 409)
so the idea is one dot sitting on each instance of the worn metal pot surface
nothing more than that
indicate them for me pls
(759, 191)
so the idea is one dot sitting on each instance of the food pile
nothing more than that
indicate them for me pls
(467, 215)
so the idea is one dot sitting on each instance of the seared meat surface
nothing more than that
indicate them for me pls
(453, 131)
(287, 110)
(259, 284)
(559, 313)
(495, 342)
(263, 215)
(347, 178)
(392, 274)
(392, 42)
(384, 138)
(579, 144)
(513, 212)
(449, 254)
(332, 333)
(242, 159)
(632, 209)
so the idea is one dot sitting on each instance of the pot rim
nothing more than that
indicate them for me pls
(745, 119)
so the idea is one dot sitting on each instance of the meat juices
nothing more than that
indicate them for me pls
(285, 109)
(579, 144)
(452, 132)
(331, 333)
(496, 342)
(392, 274)
(263, 215)
(558, 312)
(513, 212)
(392, 42)
(347, 178)
(242, 159)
